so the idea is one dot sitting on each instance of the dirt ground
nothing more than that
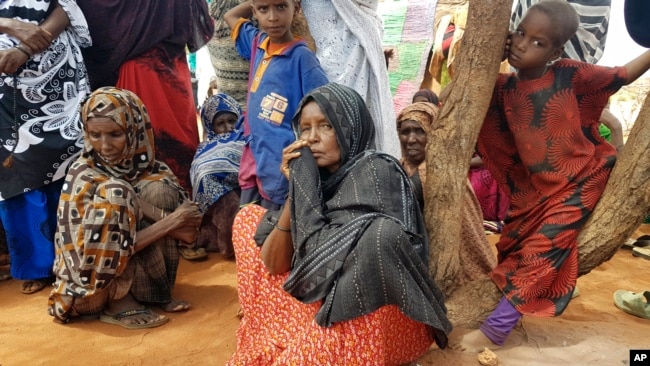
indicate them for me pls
(592, 331)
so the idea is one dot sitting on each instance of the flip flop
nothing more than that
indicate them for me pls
(4, 275)
(641, 252)
(192, 254)
(640, 242)
(117, 318)
(34, 286)
(637, 304)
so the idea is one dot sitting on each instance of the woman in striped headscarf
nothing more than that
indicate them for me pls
(115, 193)
(413, 124)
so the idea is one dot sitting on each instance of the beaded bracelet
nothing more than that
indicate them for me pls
(18, 47)
(282, 229)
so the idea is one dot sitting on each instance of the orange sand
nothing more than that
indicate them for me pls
(592, 331)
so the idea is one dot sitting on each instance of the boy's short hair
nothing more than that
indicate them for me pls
(563, 16)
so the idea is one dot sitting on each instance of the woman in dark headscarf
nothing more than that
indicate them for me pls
(120, 217)
(350, 243)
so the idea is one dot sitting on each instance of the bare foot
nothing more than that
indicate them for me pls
(474, 342)
(175, 306)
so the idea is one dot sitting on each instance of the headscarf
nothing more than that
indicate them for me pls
(348, 114)
(215, 168)
(127, 111)
(428, 94)
(336, 220)
(99, 208)
(425, 114)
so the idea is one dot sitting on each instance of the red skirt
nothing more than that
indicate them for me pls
(277, 329)
(166, 91)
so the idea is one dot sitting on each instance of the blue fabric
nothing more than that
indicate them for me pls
(288, 77)
(215, 167)
(636, 20)
(29, 221)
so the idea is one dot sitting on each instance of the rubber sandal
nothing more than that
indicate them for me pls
(116, 319)
(637, 304)
(641, 252)
(192, 254)
(642, 241)
(4, 275)
(37, 285)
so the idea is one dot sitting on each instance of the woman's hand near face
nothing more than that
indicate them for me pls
(289, 153)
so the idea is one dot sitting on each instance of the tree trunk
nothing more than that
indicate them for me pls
(625, 202)
(452, 142)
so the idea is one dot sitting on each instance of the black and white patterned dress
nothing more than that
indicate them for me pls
(39, 104)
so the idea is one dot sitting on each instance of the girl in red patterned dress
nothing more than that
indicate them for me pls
(541, 143)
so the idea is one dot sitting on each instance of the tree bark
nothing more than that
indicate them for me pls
(452, 141)
(624, 204)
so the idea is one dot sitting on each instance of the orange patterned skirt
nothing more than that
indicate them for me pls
(277, 329)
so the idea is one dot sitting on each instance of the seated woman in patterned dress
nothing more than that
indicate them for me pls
(341, 276)
(120, 217)
(215, 171)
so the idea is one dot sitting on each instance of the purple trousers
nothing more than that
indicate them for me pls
(500, 322)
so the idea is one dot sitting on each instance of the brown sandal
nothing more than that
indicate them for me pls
(34, 286)
(192, 254)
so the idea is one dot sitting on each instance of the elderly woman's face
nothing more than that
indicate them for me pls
(413, 140)
(317, 130)
(107, 138)
(224, 122)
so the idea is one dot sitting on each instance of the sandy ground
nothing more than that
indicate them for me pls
(592, 331)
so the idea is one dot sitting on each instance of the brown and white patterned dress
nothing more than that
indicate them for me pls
(99, 215)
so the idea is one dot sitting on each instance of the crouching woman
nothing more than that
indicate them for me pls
(120, 217)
